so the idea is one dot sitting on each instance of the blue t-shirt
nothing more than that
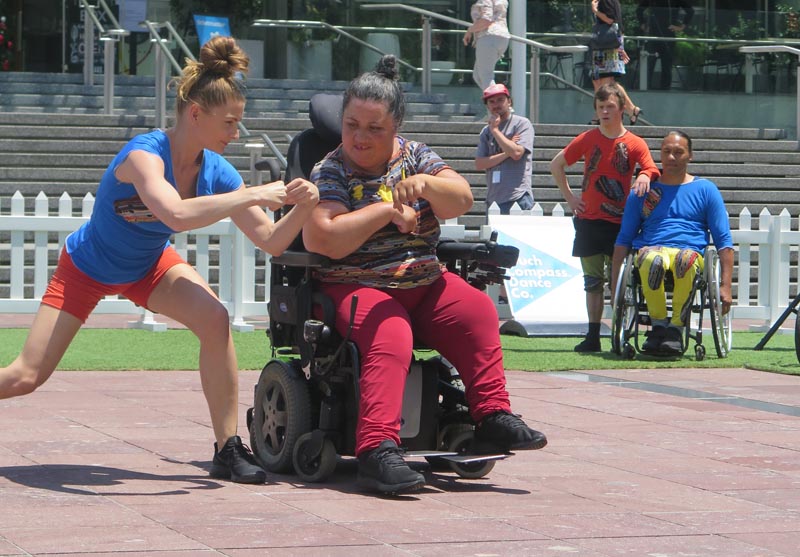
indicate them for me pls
(122, 240)
(677, 217)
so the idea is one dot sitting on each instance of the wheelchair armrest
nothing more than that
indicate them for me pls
(301, 259)
(484, 252)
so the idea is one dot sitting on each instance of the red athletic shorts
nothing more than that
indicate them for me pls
(73, 291)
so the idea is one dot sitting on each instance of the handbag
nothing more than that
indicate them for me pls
(605, 36)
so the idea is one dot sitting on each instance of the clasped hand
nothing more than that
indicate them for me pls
(275, 195)
(404, 194)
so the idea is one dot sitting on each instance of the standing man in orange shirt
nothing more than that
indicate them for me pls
(610, 154)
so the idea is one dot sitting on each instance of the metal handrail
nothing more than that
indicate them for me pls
(533, 86)
(301, 24)
(755, 49)
(109, 37)
(163, 55)
(644, 54)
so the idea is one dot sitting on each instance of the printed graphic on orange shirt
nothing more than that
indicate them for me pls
(591, 167)
(620, 160)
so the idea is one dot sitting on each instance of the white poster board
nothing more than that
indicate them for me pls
(545, 288)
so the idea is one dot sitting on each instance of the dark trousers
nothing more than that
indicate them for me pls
(666, 53)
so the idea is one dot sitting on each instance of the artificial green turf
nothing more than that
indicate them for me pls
(122, 349)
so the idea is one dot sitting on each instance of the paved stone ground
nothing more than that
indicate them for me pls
(115, 463)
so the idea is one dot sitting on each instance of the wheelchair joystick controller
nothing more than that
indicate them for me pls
(346, 339)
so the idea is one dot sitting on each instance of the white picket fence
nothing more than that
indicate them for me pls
(223, 250)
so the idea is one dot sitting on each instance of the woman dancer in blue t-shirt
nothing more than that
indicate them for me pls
(163, 182)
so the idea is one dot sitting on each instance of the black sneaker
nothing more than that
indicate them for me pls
(235, 462)
(672, 343)
(589, 345)
(383, 469)
(654, 338)
(502, 432)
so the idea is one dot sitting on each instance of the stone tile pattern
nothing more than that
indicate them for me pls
(115, 463)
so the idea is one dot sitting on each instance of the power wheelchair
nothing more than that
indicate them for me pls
(306, 398)
(629, 310)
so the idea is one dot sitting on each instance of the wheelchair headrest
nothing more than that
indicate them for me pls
(310, 146)
(325, 112)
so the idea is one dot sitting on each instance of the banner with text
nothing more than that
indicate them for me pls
(545, 289)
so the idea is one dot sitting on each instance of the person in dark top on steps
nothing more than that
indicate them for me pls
(662, 18)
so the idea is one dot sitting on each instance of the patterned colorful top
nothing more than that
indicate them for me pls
(389, 259)
(608, 166)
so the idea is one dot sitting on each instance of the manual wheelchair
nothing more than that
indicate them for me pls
(629, 310)
(306, 398)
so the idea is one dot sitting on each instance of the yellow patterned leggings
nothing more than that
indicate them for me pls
(653, 263)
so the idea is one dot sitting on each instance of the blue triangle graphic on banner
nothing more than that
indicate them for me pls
(535, 275)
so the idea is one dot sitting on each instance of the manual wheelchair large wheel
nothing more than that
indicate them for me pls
(458, 439)
(797, 337)
(314, 464)
(623, 315)
(721, 327)
(281, 415)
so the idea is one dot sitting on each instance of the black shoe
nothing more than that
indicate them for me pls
(672, 343)
(502, 432)
(235, 462)
(383, 469)
(588, 345)
(655, 337)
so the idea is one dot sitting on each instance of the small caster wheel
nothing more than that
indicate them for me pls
(460, 442)
(311, 462)
(628, 352)
(699, 352)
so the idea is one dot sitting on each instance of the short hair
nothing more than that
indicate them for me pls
(382, 85)
(683, 135)
(215, 79)
(605, 92)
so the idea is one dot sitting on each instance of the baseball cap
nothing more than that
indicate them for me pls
(495, 89)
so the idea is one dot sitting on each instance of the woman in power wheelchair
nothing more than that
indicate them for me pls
(378, 286)
(668, 228)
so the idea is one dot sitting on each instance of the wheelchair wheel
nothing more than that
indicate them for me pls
(797, 337)
(699, 352)
(721, 327)
(458, 439)
(313, 463)
(628, 351)
(281, 415)
(623, 316)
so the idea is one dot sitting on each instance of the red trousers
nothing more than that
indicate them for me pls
(449, 316)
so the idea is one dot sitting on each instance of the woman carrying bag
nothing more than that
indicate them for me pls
(608, 60)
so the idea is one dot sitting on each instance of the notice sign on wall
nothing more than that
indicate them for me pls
(545, 288)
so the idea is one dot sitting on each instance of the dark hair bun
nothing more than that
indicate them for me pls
(387, 67)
